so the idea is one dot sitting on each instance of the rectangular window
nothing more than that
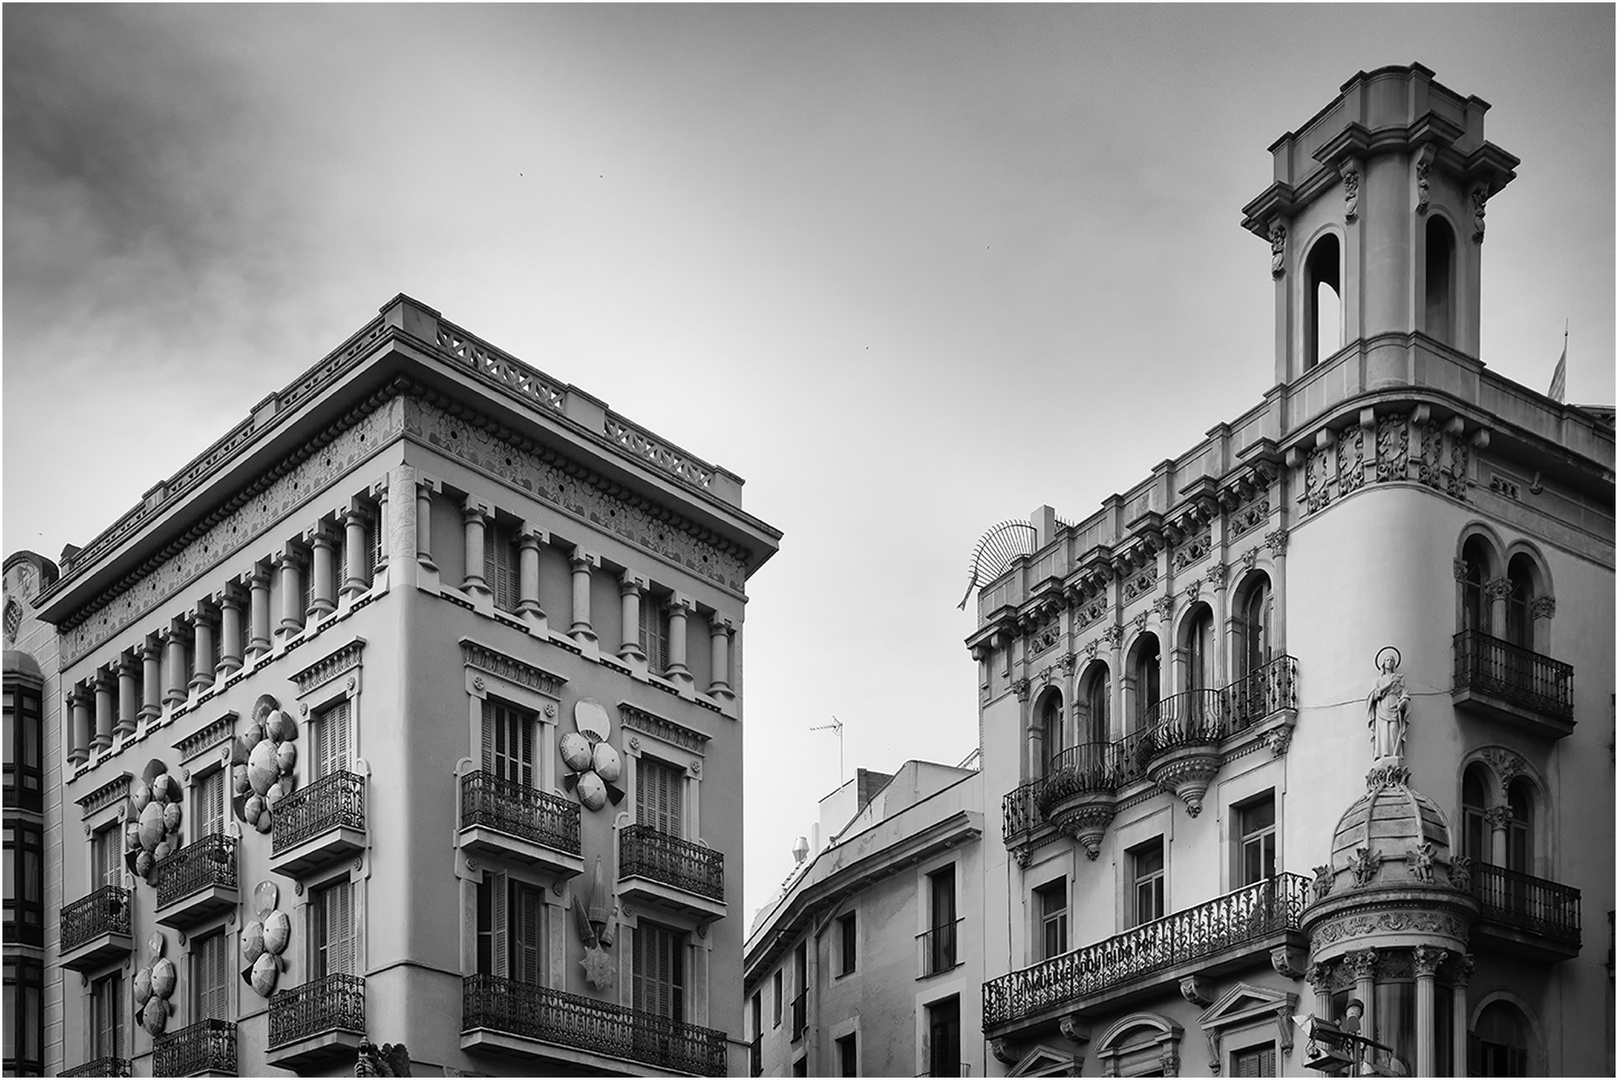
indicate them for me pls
(659, 981)
(23, 720)
(944, 1037)
(939, 952)
(508, 742)
(23, 1019)
(24, 884)
(106, 857)
(210, 804)
(755, 1051)
(1255, 823)
(1050, 901)
(1146, 871)
(1254, 1061)
(500, 564)
(848, 1056)
(658, 790)
(333, 740)
(332, 932)
(847, 939)
(107, 1018)
(800, 999)
(654, 633)
(210, 977)
(511, 929)
(800, 1067)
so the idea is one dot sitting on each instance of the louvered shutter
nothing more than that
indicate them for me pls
(500, 566)
(105, 852)
(526, 905)
(373, 547)
(211, 804)
(210, 975)
(109, 1025)
(654, 635)
(308, 571)
(657, 797)
(499, 893)
(339, 563)
(336, 949)
(488, 735)
(659, 982)
(332, 740)
(508, 743)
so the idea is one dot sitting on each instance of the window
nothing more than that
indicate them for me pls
(1519, 602)
(1440, 271)
(777, 982)
(1474, 575)
(332, 933)
(1146, 872)
(106, 862)
(510, 929)
(1323, 332)
(848, 1057)
(332, 740)
(1050, 726)
(1256, 624)
(939, 951)
(24, 884)
(1148, 672)
(1497, 1046)
(1050, 902)
(508, 742)
(800, 1000)
(659, 986)
(944, 1037)
(1519, 832)
(107, 1018)
(23, 1021)
(1255, 822)
(1254, 1061)
(756, 1007)
(800, 1067)
(654, 633)
(500, 564)
(1199, 642)
(23, 721)
(1097, 706)
(847, 939)
(1475, 839)
(658, 790)
(210, 804)
(210, 977)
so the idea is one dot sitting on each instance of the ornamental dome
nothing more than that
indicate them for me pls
(1391, 823)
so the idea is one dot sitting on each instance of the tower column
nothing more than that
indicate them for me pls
(582, 562)
(128, 703)
(1364, 965)
(1459, 977)
(174, 691)
(354, 553)
(230, 633)
(292, 612)
(1499, 819)
(203, 650)
(719, 631)
(474, 515)
(78, 703)
(258, 611)
(1426, 959)
(325, 573)
(679, 609)
(105, 689)
(629, 590)
(151, 655)
(528, 545)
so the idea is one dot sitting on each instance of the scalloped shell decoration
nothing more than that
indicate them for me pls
(263, 763)
(156, 810)
(154, 985)
(586, 751)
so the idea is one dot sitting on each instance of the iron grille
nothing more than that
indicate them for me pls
(206, 1046)
(102, 1066)
(1266, 689)
(1022, 809)
(554, 1016)
(1514, 674)
(1224, 924)
(1196, 716)
(209, 861)
(335, 1003)
(644, 851)
(938, 948)
(519, 810)
(333, 801)
(1525, 902)
(105, 911)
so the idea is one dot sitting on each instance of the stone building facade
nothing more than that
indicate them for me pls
(409, 711)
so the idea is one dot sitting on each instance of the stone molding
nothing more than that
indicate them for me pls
(486, 658)
(104, 796)
(206, 737)
(328, 668)
(635, 718)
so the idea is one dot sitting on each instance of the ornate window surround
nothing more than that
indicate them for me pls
(1246, 1016)
(1140, 1055)
(489, 672)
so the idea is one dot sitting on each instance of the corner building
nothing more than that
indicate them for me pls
(409, 711)
(1185, 695)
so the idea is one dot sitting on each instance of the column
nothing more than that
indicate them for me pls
(105, 689)
(383, 523)
(719, 630)
(528, 544)
(291, 566)
(679, 609)
(174, 692)
(424, 523)
(230, 633)
(1497, 591)
(1115, 653)
(1499, 819)
(324, 598)
(1459, 977)
(1541, 609)
(1426, 959)
(1319, 976)
(629, 590)
(1277, 543)
(258, 641)
(128, 694)
(581, 563)
(202, 650)
(1217, 577)
(151, 654)
(78, 703)
(1364, 965)
(354, 554)
(474, 514)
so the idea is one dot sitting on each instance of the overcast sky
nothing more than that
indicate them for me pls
(908, 270)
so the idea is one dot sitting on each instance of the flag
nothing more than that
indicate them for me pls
(1558, 388)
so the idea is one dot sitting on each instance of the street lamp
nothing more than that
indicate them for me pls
(1343, 1051)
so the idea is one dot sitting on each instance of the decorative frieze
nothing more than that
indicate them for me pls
(1442, 924)
(107, 794)
(1502, 486)
(325, 670)
(1192, 549)
(511, 669)
(1250, 517)
(206, 737)
(1142, 583)
(637, 719)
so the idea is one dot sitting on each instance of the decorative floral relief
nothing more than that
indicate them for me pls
(1192, 549)
(1441, 459)
(1047, 634)
(1351, 461)
(1250, 517)
(1141, 583)
(1392, 448)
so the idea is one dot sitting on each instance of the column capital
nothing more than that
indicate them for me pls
(475, 509)
(530, 535)
(321, 537)
(679, 602)
(1498, 817)
(232, 601)
(152, 647)
(291, 557)
(1497, 589)
(79, 696)
(631, 584)
(1363, 963)
(427, 485)
(721, 624)
(1426, 959)
(129, 664)
(1461, 970)
(260, 575)
(356, 515)
(1542, 607)
(583, 560)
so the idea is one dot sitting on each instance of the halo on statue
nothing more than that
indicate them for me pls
(1385, 650)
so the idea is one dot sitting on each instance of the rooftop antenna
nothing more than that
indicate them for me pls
(837, 726)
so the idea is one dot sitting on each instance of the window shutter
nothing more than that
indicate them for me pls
(332, 740)
(500, 566)
(657, 797)
(210, 804)
(105, 854)
(526, 904)
(659, 982)
(308, 583)
(488, 735)
(211, 975)
(338, 901)
(498, 895)
(373, 547)
(654, 634)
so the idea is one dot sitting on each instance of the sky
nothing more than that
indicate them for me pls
(908, 270)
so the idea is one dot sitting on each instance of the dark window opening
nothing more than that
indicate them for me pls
(1440, 280)
(1324, 328)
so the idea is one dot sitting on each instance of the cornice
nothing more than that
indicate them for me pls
(329, 667)
(475, 654)
(635, 718)
(206, 737)
(104, 796)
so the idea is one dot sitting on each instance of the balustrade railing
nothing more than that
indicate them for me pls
(1515, 674)
(581, 1023)
(206, 1046)
(1221, 925)
(105, 911)
(939, 950)
(336, 800)
(519, 810)
(1527, 903)
(101, 1066)
(209, 861)
(335, 1003)
(648, 853)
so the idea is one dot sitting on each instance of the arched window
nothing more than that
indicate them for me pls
(1520, 832)
(1440, 280)
(1097, 706)
(1324, 325)
(1498, 1043)
(1519, 603)
(1050, 727)
(1474, 827)
(1255, 624)
(1147, 670)
(1474, 603)
(1199, 650)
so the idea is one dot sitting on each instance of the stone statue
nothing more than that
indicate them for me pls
(389, 1059)
(1387, 708)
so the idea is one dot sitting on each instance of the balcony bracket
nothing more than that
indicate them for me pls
(1186, 771)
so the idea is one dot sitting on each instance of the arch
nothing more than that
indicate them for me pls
(1046, 734)
(1135, 1043)
(1475, 837)
(1323, 299)
(1194, 647)
(1252, 616)
(1492, 773)
(1092, 709)
(1441, 279)
(1520, 829)
(1476, 563)
(1143, 681)
(1508, 1006)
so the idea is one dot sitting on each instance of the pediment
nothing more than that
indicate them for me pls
(1244, 1003)
(1042, 1060)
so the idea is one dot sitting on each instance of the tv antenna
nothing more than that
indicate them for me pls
(837, 726)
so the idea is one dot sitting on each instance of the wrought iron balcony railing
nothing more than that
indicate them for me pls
(581, 1023)
(1514, 674)
(938, 948)
(657, 856)
(1021, 808)
(336, 800)
(206, 1046)
(101, 1066)
(1224, 924)
(519, 810)
(1266, 689)
(105, 911)
(800, 1014)
(335, 1003)
(1524, 902)
(755, 1056)
(209, 861)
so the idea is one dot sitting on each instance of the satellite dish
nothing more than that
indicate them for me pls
(994, 552)
(800, 849)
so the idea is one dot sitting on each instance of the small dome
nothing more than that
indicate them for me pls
(1391, 818)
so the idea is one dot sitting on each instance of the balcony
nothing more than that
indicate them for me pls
(940, 948)
(670, 873)
(196, 882)
(96, 931)
(206, 1048)
(755, 1056)
(317, 1023)
(318, 825)
(102, 1066)
(1501, 681)
(1233, 931)
(1526, 915)
(536, 1022)
(1021, 809)
(502, 818)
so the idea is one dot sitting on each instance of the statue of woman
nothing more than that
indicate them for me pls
(1387, 707)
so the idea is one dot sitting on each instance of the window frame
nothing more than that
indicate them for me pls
(937, 1023)
(199, 976)
(847, 943)
(24, 781)
(1155, 880)
(100, 1008)
(1045, 919)
(321, 940)
(1266, 836)
(25, 985)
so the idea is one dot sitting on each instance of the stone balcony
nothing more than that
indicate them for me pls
(96, 930)
(670, 873)
(1526, 915)
(318, 825)
(500, 1015)
(1501, 681)
(502, 818)
(318, 1023)
(197, 882)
